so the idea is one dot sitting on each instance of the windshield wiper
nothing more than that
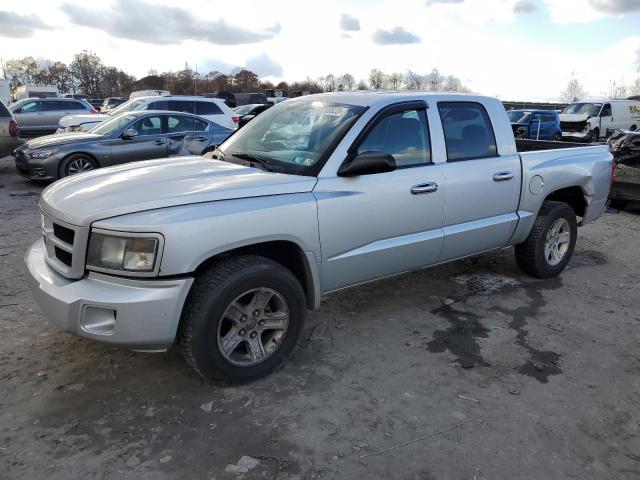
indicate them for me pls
(263, 162)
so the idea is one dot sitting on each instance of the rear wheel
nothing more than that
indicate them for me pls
(242, 320)
(76, 163)
(550, 244)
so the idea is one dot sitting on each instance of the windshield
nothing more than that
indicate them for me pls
(127, 106)
(243, 110)
(517, 116)
(111, 126)
(590, 109)
(294, 136)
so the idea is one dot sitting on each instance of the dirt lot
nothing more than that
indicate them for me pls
(544, 373)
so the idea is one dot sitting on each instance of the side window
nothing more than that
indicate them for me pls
(159, 105)
(207, 108)
(76, 106)
(181, 106)
(180, 124)
(148, 125)
(30, 107)
(405, 135)
(606, 110)
(548, 118)
(53, 106)
(468, 132)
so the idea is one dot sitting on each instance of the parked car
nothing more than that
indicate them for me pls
(96, 103)
(112, 102)
(625, 186)
(592, 121)
(535, 124)
(9, 132)
(225, 256)
(149, 93)
(237, 99)
(128, 137)
(38, 116)
(212, 109)
(249, 112)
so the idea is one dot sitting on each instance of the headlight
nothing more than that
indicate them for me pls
(122, 253)
(42, 154)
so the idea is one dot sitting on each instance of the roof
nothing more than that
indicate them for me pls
(370, 97)
(141, 113)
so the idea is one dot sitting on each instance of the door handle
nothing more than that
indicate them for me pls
(423, 188)
(158, 142)
(201, 139)
(502, 176)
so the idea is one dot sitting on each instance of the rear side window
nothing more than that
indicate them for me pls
(468, 132)
(187, 106)
(404, 135)
(207, 108)
(180, 124)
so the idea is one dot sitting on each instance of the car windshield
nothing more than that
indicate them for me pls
(293, 136)
(128, 106)
(591, 109)
(113, 125)
(243, 109)
(516, 116)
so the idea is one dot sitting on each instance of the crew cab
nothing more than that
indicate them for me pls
(224, 256)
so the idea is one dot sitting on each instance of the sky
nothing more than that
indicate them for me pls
(512, 49)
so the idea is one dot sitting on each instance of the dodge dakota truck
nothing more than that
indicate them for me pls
(224, 256)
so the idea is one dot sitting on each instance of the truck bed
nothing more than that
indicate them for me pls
(526, 145)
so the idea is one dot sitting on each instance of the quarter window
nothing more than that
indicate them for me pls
(404, 135)
(467, 131)
(207, 108)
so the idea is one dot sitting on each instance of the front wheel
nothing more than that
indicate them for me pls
(594, 135)
(243, 318)
(76, 163)
(550, 244)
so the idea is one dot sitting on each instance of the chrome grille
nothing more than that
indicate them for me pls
(66, 246)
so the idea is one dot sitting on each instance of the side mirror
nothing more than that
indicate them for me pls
(367, 163)
(130, 133)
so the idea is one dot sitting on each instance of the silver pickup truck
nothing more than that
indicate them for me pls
(224, 256)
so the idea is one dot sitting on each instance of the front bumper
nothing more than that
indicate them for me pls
(42, 169)
(139, 314)
(577, 136)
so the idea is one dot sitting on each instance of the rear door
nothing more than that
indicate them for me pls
(150, 143)
(56, 109)
(187, 135)
(211, 111)
(482, 187)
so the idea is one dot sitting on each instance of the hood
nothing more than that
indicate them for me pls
(134, 187)
(573, 117)
(60, 139)
(75, 120)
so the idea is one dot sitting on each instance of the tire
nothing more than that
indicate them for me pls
(219, 294)
(633, 128)
(557, 137)
(531, 255)
(618, 204)
(594, 135)
(76, 163)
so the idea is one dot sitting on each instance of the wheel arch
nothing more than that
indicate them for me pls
(287, 253)
(574, 196)
(90, 155)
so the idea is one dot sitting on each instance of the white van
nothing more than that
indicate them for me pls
(591, 121)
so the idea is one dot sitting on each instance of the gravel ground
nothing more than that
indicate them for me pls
(541, 377)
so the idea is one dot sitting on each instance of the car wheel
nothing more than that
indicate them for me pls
(594, 135)
(76, 163)
(242, 319)
(557, 137)
(633, 128)
(549, 246)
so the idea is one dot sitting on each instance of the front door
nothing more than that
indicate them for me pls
(482, 187)
(31, 116)
(150, 142)
(376, 225)
(606, 120)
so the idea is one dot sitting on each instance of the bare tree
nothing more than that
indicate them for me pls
(376, 79)
(347, 81)
(395, 81)
(574, 91)
(634, 89)
(434, 81)
(616, 91)
(413, 80)
(362, 85)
